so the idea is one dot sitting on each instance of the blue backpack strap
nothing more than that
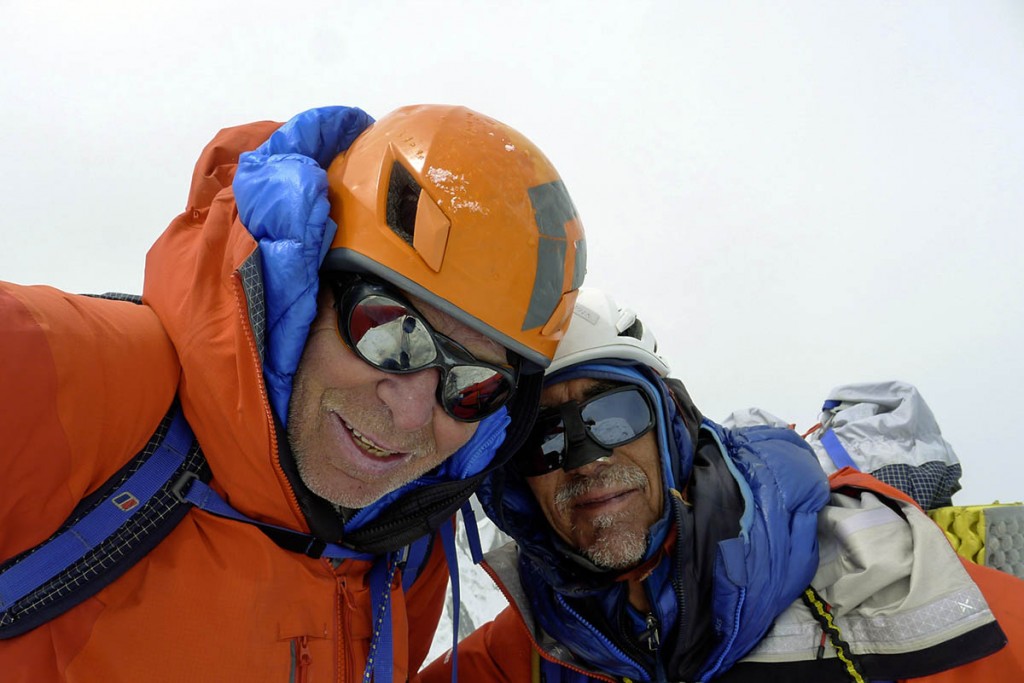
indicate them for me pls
(106, 534)
(199, 493)
(472, 533)
(118, 524)
(414, 557)
(840, 456)
(447, 532)
(830, 442)
(380, 658)
(416, 554)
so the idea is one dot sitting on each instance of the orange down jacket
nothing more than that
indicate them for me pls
(84, 382)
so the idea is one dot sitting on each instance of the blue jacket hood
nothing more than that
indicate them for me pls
(756, 574)
(506, 498)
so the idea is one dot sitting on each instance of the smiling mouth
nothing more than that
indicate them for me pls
(368, 446)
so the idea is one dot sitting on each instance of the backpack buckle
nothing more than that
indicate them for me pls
(179, 489)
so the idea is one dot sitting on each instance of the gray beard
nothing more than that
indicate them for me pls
(621, 547)
(618, 546)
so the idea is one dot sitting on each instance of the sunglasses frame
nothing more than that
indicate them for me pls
(352, 289)
(536, 441)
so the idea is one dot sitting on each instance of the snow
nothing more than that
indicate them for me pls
(480, 600)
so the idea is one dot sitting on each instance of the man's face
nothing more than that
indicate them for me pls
(357, 432)
(605, 508)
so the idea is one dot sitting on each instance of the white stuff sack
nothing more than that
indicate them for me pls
(888, 430)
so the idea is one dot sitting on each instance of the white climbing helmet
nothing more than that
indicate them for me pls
(600, 329)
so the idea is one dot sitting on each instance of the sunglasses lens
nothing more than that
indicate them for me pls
(388, 335)
(391, 335)
(543, 451)
(552, 446)
(617, 417)
(471, 392)
(612, 419)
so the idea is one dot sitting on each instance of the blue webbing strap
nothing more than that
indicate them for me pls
(472, 533)
(447, 532)
(61, 551)
(205, 498)
(414, 560)
(835, 450)
(379, 661)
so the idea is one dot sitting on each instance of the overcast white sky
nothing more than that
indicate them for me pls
(794, 196)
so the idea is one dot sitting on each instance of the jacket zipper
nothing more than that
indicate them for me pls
(650, 634)
(536, 646)
(343, 654)
(598, 635)
(301, 660)
(653, 639)
(677, 581)
(679, 568)
(242, 301)
(649, 637)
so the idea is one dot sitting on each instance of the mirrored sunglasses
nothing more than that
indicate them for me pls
(386, 331)
(611, 419)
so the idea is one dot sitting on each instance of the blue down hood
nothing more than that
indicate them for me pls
(756, 574)
(507, 500)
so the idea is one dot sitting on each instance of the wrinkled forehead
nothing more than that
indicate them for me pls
(480, 345)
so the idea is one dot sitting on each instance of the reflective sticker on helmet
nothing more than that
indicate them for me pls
(552, 210)
(580, 266)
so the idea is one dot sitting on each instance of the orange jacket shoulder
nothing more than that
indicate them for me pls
(83, 384)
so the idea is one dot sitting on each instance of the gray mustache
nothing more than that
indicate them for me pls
(616, 475)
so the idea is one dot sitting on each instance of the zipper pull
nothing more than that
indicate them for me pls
(303, 660)
(651, 634)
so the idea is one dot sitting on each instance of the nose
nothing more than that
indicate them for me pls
(590, 468)
(411, 398)
(582, 451)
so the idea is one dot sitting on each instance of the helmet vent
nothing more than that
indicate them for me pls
(403, 200)
(636, 330)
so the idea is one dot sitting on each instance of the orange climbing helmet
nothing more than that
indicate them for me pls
(465, 213)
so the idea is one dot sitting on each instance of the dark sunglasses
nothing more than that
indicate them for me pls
(560, 435)
(384, 329)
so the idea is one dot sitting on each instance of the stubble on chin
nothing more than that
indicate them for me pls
(617, 541)
(618, 544)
